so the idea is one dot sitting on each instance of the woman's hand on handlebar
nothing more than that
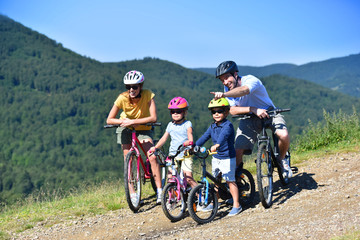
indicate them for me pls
(126, 122)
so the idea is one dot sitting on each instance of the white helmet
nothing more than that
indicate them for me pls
(133, 77)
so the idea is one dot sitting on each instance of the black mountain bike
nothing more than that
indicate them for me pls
(267, 158)
(204, 194)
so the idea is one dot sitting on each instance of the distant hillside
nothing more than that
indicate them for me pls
(54, 103)
(340, 74)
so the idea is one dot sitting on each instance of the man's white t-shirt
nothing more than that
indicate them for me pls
(258, 96)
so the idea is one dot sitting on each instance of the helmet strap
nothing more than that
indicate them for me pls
(179, 121)
(236, 80)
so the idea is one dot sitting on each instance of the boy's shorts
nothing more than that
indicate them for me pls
(124, 135)
(227, 168)
(246, 134)
(186, 164)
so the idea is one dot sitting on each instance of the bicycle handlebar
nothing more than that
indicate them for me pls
(271, 113)
(146, 124)
(201, 152)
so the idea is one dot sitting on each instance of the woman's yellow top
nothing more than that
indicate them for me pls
(135, 110)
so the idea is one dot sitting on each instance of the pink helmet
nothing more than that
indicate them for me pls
(178, 103)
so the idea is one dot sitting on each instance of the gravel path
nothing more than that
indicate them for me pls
(322, 201)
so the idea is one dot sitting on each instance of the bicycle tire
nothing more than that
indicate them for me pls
(173, 208)
(132, 181)
(264, 175)
(197, 214)
(246, 186)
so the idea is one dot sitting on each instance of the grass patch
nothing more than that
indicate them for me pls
(351, 235)
(85, 201)
(47, 210)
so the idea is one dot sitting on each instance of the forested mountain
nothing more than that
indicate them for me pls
(341, 74)
(54, 103)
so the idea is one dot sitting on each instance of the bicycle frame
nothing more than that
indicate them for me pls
(175, 174)
(264, 137)
(206, 175)
(134, 142)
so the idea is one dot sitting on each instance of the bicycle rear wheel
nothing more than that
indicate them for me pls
(264, 175)
(132, 181)
(173, 207)
(246, 186)
(199, 210)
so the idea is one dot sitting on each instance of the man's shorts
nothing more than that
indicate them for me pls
(226, 166)
(124, 135)
(246, 134)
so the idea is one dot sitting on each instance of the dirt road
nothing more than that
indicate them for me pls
(322, 201)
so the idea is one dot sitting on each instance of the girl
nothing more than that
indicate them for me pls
(180, 131)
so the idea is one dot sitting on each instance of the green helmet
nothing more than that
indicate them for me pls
(222, 103)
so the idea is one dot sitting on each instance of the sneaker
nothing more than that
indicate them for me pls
(235, 211)
(287, 172)
(158, 199)
(209, 208)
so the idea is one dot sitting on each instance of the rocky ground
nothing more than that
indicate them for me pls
(322, 201)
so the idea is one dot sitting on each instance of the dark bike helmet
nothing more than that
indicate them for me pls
(226, 67)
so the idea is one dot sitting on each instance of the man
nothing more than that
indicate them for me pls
(247, 94)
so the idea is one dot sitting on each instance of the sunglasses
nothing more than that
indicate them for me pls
(135, 87)
(176, 111)
(217, 111)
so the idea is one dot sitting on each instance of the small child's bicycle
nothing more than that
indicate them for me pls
(204, 194)
(174, 195)
(137, 171)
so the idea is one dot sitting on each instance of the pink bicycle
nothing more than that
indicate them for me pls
(137, 171)
(174, 195)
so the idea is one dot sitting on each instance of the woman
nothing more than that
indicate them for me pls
(138, 107)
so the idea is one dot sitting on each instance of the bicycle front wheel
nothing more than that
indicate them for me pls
(132, 181)
(173, 202)
(264, 175)
(246, 186)
(200, 210)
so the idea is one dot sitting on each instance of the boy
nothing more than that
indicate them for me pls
(222, 134)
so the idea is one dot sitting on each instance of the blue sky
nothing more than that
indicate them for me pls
(197, 33)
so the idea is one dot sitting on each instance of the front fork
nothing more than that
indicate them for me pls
(264, 138)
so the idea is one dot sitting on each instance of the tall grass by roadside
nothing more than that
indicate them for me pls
(337, 128)
(48, 209)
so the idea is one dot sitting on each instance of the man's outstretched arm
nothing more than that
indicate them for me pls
(236, 92)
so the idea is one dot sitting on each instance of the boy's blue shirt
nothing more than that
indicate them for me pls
(224, 135)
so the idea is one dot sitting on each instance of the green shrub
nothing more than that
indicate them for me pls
(337, 127)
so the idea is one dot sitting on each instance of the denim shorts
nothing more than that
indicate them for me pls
(124, 135)
(246, 134)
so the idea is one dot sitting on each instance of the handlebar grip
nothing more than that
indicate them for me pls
(111, 125)
(153, 124)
